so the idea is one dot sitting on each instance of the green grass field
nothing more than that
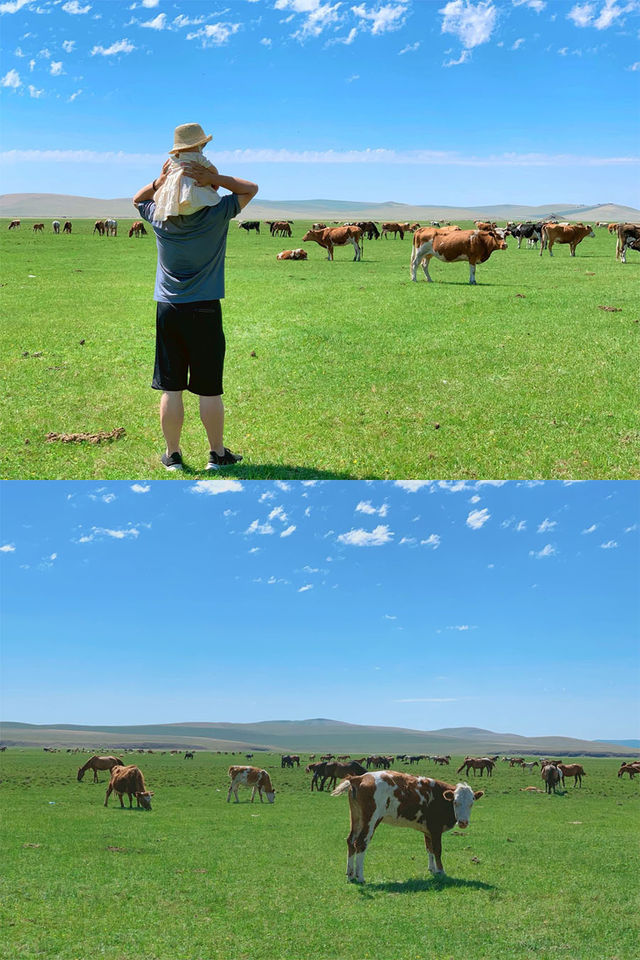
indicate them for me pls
(534, 876)
(336, 370)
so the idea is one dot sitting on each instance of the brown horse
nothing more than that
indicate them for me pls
(99, 763)
(477, 763)
(630, 768)
(574, 770)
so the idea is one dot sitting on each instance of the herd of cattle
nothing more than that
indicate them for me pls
(446, 242)
(376, 793)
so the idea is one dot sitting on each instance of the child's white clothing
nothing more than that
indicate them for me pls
(180, 194)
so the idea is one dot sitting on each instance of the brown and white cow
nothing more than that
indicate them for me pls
(627, 233)
(129, 780)
(298, 254)
(336, 237)
(472, 246)
(571, 233)
(14, 225)
(252, 777)
(430, 806)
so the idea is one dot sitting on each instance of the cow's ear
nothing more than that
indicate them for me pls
(448, 795)
(478, 794)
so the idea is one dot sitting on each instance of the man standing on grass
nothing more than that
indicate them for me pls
(190, 342)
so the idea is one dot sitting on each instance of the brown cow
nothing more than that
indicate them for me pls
(485, 225)
(430, 806)
(472, 246)
(250, 777)
(298, 254)
(38, 228)
(96, 763)
(129, 780)
(394, 228)
(571, 233)
(336, 237)
(318, 226)
(280, 228)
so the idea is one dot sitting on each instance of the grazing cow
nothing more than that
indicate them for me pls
(249, 225)
(477, 763)
(129, 780)
(67, 226)
(630, 768)
(99, 228)
(250, 777)
(613, 227)
(369, 229)
(14, 225)
(188, 754)
(472, 246)
(318, 226)
(56, 226)
(551, 776)
(574, 770)
(298, 254)
(336, 237)
(111, 228)
(571, 233)
(394, 228)
(280, 228)
(96, 763)
(38, 228)
(137, 229)
(427, 805)
(485, 225)
(627, 234)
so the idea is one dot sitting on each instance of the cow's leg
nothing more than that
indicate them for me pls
(253, 793)
(623, 256)
(229, 792)
(434, 849)
(572, 249)
(472, 273)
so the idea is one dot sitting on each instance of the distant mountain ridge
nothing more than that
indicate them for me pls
(62, 206)
(315, 735)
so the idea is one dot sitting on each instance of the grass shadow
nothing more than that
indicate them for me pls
(263, 471)
(425, 885)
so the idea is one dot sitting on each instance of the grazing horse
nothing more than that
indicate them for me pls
(188, 754)
(38, 228)
(137, 229)
(14, 225)
(477, 763)
(630, 768)
(574, 770)
(56, 226)
(111, 228)
(529, 766)
(99, 228)
(67, 226)
(96, 763)
(551, 776)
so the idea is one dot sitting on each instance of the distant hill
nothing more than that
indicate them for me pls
(316, 735)
(632, 744)
(60, 206)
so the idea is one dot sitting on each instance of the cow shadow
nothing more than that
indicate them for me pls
(423, 885)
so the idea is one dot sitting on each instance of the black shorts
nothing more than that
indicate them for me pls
(190, 347)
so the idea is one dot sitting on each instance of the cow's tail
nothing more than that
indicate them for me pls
(342, 788)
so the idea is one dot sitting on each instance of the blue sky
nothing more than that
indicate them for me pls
(420, 101)
(512, 607)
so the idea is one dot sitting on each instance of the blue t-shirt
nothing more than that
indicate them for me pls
(191, 251)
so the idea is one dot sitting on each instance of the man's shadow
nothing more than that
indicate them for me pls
(265, 471)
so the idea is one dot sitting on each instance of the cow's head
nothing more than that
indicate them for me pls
(463, 798)
(144, 799)
(311, 235)
(271, 795)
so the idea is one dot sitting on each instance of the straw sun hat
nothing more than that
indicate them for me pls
(187, 136)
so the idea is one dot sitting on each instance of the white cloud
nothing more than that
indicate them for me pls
(141, 487)
(384, 19)
(266, 41)
(150, 3)
(547, 525)
(462, 628)
(12, 6)
(32, 64)
(517, 43)
(278, 514)
(121, 46)
(594, 526)
(609, 545)
(288, 531)
(537, 5)
(412, 486)
(317, 16)
(34, 92)
(634, 66)
(307, 586)
(634, 526)
(475, 499)
(74, 96)
(611, 12)
(410, 540)
(367, 538)
(433, 541)
(68, 45)
(464, 56)
(213, 487)
(582, 14)
(471, 23)
(389, 616)
(56, 68)
(261, 528)
(8, 548)
(74, 7)
(547, 551)
(283, 485)
(11, 79)
(410, 48)
(214, 34)
(365, 506)
(158, 23)
(477, 518)
(108, 532)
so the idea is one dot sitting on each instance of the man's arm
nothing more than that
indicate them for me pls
(146, 193)
(245, 190)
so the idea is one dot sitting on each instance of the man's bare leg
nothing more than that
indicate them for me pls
(212, 416)
(172, 418)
